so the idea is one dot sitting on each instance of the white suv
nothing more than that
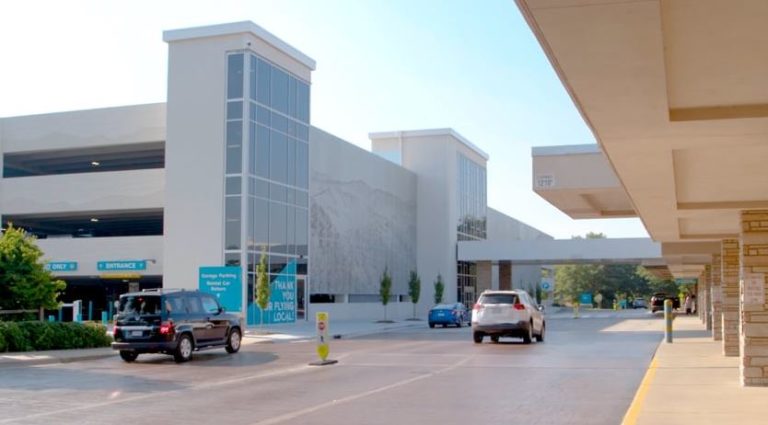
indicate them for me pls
(507, 313)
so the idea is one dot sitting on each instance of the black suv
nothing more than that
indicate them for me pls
(174, 322)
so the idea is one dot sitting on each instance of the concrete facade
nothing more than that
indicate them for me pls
(365, 213)
(363, 219)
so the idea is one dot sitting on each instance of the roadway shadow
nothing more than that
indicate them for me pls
(45, 378)
(213, 358)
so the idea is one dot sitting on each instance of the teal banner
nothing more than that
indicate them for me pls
(282, 299)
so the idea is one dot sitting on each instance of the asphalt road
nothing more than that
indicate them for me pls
(586, 372)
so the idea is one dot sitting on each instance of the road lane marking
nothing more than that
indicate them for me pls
(336, 402)
(630, 418)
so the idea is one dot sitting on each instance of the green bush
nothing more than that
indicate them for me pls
(28, 336)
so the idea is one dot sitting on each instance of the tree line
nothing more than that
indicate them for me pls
(614, 282)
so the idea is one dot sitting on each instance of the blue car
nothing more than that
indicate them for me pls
(447, 314)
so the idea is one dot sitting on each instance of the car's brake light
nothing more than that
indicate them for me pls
(519, 306)
(166, 328)
(477, 307)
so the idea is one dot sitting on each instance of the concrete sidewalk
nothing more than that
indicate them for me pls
(299, 331)
(691, 382)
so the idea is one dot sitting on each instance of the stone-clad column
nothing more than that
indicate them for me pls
(754, 311)
(730, 287)
(484, 276)
(717, 297)
(705, 283)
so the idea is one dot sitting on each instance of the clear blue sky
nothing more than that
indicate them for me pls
(381, 65)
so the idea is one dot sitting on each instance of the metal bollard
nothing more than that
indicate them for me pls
(668, 320)
(103, 317)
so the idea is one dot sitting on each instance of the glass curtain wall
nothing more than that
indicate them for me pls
(267, 170)
(473, 201)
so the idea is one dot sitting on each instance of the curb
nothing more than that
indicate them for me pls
(7, 362)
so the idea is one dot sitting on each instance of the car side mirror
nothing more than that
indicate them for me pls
(221, 310)
(540, 307)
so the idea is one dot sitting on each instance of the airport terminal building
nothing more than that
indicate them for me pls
(192, 192)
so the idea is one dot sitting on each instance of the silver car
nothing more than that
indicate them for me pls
(507, 314)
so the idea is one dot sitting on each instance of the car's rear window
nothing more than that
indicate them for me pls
(498, 299)
(445, 306)
(139, 304)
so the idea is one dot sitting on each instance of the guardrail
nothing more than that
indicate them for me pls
(40, 311)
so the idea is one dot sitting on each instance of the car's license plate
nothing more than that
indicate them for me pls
(494, 310)
(136, 333)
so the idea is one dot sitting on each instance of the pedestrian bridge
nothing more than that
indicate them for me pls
(641, 251)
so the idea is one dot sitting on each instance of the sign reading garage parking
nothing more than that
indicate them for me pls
(225, 283)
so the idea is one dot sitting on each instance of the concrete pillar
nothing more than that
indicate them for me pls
(484, 276)
(716, 294)
(754, 311)
(505, 276)
(495, 276)
(730, 287)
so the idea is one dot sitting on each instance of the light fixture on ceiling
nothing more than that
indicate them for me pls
(94, 220)
(95, 163)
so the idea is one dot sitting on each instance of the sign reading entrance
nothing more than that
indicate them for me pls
(225, 283)
(119, 266)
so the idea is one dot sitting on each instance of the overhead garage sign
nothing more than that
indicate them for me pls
(121, 265)
(61, 266)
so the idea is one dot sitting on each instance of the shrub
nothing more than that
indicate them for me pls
(27, 336)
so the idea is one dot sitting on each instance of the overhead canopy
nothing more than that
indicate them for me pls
(677, 97)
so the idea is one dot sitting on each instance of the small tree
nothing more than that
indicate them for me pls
(25, 284)
(262, 284)
(414, 290)
(385, 289)
(439, 289)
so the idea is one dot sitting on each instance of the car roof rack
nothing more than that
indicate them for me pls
(163, 290)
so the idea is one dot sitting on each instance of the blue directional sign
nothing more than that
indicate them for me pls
(61, 266)
(585, 298)
(282, 299)
(121, 265)
(225, 283)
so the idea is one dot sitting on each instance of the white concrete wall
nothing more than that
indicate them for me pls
(363, 219)
(363, 311)
(88, 251)
(432, 156)
(65, 193)
(502, 227)
(83, 129)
